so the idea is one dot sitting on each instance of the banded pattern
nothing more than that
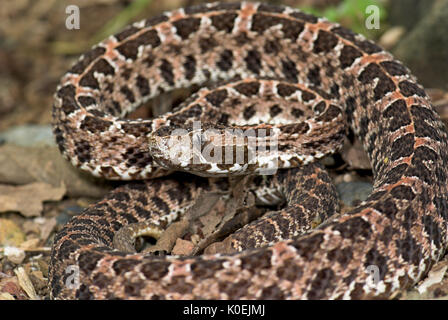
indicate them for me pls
(401, 228)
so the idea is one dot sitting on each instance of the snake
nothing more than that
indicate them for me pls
(301, 80)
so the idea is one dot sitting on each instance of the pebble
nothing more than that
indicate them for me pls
(28, 135)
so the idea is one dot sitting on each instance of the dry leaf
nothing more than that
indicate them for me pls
(22, 165)
(434, 276)
(29, 244)
(25, 283)
(6, 296)
(355, 155)
(9, 287)
(27, 199)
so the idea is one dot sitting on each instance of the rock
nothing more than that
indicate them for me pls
(10, 234)
(29, 135)
(353, 191)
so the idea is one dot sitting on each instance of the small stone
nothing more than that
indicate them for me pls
(183, 247)
(391, 37)
(10, 233)
(14, 254)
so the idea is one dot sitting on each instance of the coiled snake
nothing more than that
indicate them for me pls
(311, 74)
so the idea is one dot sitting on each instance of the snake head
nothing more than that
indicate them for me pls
(202, 152)
(213, 152)
(174, 150)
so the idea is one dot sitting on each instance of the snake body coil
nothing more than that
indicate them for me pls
(401, 228)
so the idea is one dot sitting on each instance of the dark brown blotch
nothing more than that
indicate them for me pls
(314, 76)
(348, 55)
(368, 46)
(185, 27)
(432, 229)
(354, 228)
(424, 153)
(387, 207)
(289, 70)
(94, 124)
(160, 204)
(342, 256)
(297, 113)
(384, 86)
(409, 249)
(248, 88)
(129, 49)
(267, 7)
(257, 260)
(275, 110)
(199, 8)
(325, 42)
(83, 151)
(226, 6)
(89, 80)
(224, 22)
(370, 73)
(424, 129)
(226, 60)
(285, 90)
(272, 46)
(249, 112)
(86, 59)
(190, 67)
(126, 73)
(398, 115)
(304, 16)
(307, 95)
(409, 89)
(253, 61)
(205, 268)
(320, 107)
(155, 270)
(322, 284)
(124, 265)
(394, 68)
(330, 114)
(104, 67)
(419, 170)
(143, 85)
(207, 44)
(156, 20)
(216, 97)
(128, 94)
(166, 70)
(345, 33)
(396, 173)
(129, 31)
(67, 94)
(402, 192)
(86, 101)
(402, 147)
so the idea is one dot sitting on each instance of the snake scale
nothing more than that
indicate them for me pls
(401, 228)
